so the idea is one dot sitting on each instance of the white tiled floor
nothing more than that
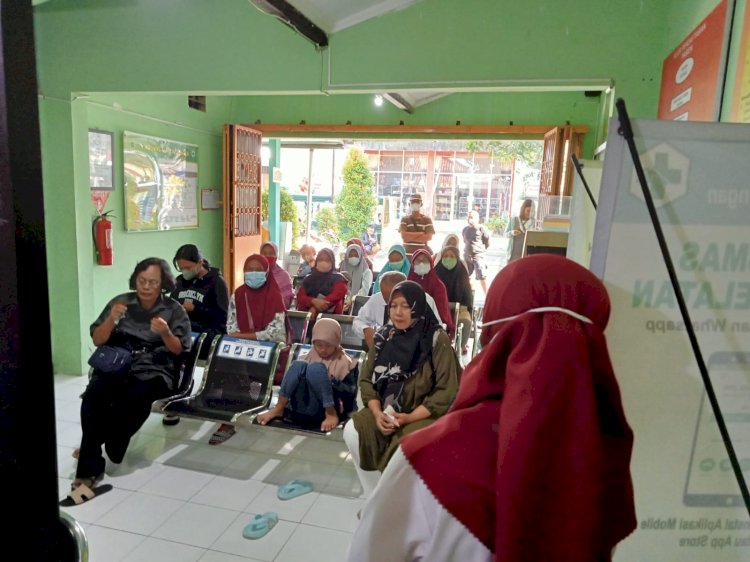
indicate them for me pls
(176, 498)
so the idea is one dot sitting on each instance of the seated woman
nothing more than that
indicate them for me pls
(396, 262)
(324, 290)
(201, 290)
(358, 242)
(450, 240)
(359, 274)
(203, 293)
(156, 329)
(256, 312)
(536, 443)
(458, 287)
(284, 281)
(408, 381)
(423, 273)
(308, 395)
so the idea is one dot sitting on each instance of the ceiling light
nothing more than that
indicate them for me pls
(378, 100)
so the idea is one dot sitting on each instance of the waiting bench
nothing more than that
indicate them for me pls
(237, 384)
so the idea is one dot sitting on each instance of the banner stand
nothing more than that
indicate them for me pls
(626, 132)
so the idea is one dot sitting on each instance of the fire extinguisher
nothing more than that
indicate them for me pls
(101, 229)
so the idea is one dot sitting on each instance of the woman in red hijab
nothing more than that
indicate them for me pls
(256, 312)
(423, 273)
(283, 280)
(532, 463)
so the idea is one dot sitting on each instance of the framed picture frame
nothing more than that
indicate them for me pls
(101, 165)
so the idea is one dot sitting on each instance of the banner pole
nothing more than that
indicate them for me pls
(579, 170)
(626, 131)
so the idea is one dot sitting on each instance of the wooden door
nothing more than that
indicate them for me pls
(242, 192)
(549, 178)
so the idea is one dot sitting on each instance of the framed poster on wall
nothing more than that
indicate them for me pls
(101, 170)
(161, 183)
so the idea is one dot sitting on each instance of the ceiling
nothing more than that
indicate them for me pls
(334, 15)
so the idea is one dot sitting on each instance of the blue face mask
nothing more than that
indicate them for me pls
(255, 279)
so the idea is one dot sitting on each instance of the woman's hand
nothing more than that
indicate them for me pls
(385, 424)
(160, 326)
(516, 232)
(188, 306)
(117, 311)
(402, 419)
(320, 304)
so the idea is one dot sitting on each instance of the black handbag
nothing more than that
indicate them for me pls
(111, 359)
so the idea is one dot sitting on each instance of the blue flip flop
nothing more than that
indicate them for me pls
(293, 489)
(260, 525)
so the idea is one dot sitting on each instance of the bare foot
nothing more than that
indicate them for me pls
(266, 417)
(76, 453)
(331, 421)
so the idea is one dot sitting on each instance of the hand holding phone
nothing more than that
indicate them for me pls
(389, 411)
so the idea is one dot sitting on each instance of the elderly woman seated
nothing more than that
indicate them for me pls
(409, 380)
(152, 330)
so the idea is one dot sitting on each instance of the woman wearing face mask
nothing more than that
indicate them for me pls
(409, 379)
(256, 312)
(423, 273)
(201, 290)
(358, 242)
(532, 462)
(450, 240)
(458, 286)
(396, 262)
(359, 273)
(284, 281)
(324, 290)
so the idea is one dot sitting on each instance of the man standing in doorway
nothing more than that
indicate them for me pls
(416, 229)
(476, 241)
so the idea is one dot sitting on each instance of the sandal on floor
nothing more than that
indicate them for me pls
(260, 525)
(222, 434)
(83, 493)
(294, 489)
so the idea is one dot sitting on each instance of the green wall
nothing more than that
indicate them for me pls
(79, 288)
(130, 65)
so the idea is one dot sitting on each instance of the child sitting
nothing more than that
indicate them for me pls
(307, 390)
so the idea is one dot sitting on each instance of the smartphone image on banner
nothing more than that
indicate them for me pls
(711, 481)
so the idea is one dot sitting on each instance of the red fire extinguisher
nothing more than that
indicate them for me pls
(102, 231)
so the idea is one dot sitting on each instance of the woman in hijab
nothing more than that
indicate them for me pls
(458, 287)
(360, 276)
(358, 242)
(396, 262)
(450, 240)
(423, 273)
(409, 380)
(284, 281)
(532, 462)
(324, 290)
(256, 312)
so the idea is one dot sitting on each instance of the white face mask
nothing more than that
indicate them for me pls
(422, 268)
(353, 261)
(415, 207)
(575, 315)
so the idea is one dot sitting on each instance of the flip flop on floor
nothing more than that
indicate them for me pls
(260, 525)
(82, 494)
(222, 434)
(294, 489)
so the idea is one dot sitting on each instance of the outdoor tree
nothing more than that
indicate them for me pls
(528, 151)
(356, 204)
(327, 225)
(288, 212)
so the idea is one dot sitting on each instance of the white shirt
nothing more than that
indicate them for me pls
(372, 312)
(402, 521)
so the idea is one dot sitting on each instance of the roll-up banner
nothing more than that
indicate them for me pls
(688, 501)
